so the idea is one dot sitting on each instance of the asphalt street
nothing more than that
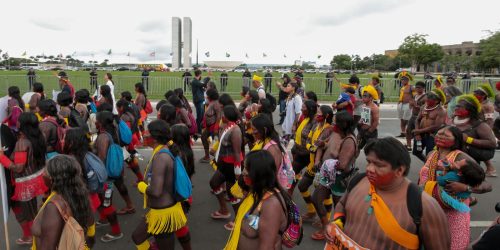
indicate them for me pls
(207, 233)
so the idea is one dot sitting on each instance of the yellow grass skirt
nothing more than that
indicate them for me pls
(166, 220)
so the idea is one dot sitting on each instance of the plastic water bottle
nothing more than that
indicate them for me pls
(253, 221)
(419, 145)
(107, 195)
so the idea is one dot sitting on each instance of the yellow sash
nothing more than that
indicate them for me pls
(314, 137)
(232, 243)
(298, 134)
(390, 225)
(158, 148)
(260, 144)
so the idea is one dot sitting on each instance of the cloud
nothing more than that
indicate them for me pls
(153, 26)
(51, 24)
(362, 9)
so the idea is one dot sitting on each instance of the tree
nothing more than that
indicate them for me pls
(490, 52)
(342, 61)
(411, 48)
(430, 53)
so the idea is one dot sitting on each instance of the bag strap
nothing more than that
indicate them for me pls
(414, 204)
(355, 180)
(58, 201)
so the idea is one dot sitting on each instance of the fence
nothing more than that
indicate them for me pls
(158, 85)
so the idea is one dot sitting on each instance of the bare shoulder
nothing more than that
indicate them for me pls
(430, 205)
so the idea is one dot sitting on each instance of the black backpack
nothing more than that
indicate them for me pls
(413, 200)
(272, 100)
(76, 121)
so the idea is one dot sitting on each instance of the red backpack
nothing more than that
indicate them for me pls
(61, 133)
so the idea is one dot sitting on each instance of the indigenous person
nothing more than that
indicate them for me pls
(431, 117)
(438, 83)
(416, 104)
(211, 120)
(265, 108)
(257, 84)
(363, 214)
(197, 88)
(140, 100)
(105, 96)
(368, 124)
(64, 101)
(82, 98)
(107, 136)
(126, 114)
(496, 124)
(168, 113)
(317, 139)
(15, 106)
(406, 95)
(480, 142)
(65, 84)
(245, 101)
(449, 164)
(346, 101)
(252, 109)
(223, 80)
(452, 93)
(185, 103)
(182, 116)
(293, 111)
(376, 84)
(165, 215)
(108, 78)
(36, 97)
(262, 216)
(354, 83)
(49, 126)
(69, 196)
(310, 95)
(227, 162)
(482, 93)
(299, 150)
(337, 164)
(26, 166)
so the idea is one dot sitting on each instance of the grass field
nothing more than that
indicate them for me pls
(161, 82)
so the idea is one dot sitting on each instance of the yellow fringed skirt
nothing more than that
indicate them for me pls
(166, 220)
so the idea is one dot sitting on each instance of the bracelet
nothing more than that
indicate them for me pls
(469, 140)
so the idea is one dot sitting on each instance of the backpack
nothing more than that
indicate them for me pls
(413, 200)
(72, 236)
(147, 107)
(292, 236)
(272, 100)
(95, 171)
(182, 183)
(76, 121)
(114, 159)
(194, 127)
(61, 133)
(124, 133)
(285, 173)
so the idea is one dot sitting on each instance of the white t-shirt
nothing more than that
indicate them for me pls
(293, 109)
(112, 87)
(261, 92)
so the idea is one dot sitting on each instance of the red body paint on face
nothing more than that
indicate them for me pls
(431, 103)
(444, 143)
(380, 180)
(320, 118)
(462, 112)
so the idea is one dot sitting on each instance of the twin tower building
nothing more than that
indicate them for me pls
(181, 47)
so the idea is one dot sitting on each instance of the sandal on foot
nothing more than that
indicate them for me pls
(205, 160)
(408, 148)
(125, 211)
(229, 226)
(491, 173)
(308, 216)
(109, 237)
(473, 201)
(318, 235)
(99, 224)
(218, 215)
(317, 224)
(22, 241)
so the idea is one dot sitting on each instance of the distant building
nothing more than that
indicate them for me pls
(187, 45)
(176, 42)
(465, 48)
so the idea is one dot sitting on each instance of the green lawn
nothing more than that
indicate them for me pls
(161, 82)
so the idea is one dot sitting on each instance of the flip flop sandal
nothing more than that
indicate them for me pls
(217, 215)
(99, 224)
(21, 241)
(308, 216)
(318, 235)
(125, 211)
(492, 174)
(229, 226)
(317, 224)
(408, 148)
(109, 237)
(473, 201)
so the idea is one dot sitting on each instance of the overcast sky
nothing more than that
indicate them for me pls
(297, 28)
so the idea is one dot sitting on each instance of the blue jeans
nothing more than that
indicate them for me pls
(282, 104)
(200, 110)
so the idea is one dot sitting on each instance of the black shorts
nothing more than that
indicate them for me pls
(227, 169)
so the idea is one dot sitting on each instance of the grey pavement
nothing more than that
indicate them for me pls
(210, 234)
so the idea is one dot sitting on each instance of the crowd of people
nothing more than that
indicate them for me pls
(71, 152)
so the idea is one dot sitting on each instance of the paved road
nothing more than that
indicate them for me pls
(209, 234)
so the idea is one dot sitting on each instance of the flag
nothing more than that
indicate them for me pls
(152, 54)
(109, 52)
(227, 54)
(246, 55)
(207, 54)
(128, 54)
(264, 55)
(24, 54)
(284, 55)
(319, 56)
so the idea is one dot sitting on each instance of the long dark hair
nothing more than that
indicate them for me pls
(47, 107)
(225, 99)
(110, 77)
(160, 132)
(140, 88)
(266, 106)
(15, 93)
(76, 144)
(312, 109)
(106, 119)
(65, 174)
(38, 88)
(106, 93)
(168, 113)
(345, 122)
(262, 170)
(180, 136)
(327, 110)
(29, 128)
(122, 103)
(266, 128)
(459, 139)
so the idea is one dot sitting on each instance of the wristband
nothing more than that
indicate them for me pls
(142, 186)
(5, 161)
(20, 158)
(237, 170)
(469, 140)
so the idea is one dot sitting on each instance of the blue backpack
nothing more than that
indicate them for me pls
(93, 108)
(124, 133)
(182, 183)
(95, 171)
(114, 159)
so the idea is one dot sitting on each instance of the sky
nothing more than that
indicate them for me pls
(298, 29)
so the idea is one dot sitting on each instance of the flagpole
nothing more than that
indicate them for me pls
(5, 206)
